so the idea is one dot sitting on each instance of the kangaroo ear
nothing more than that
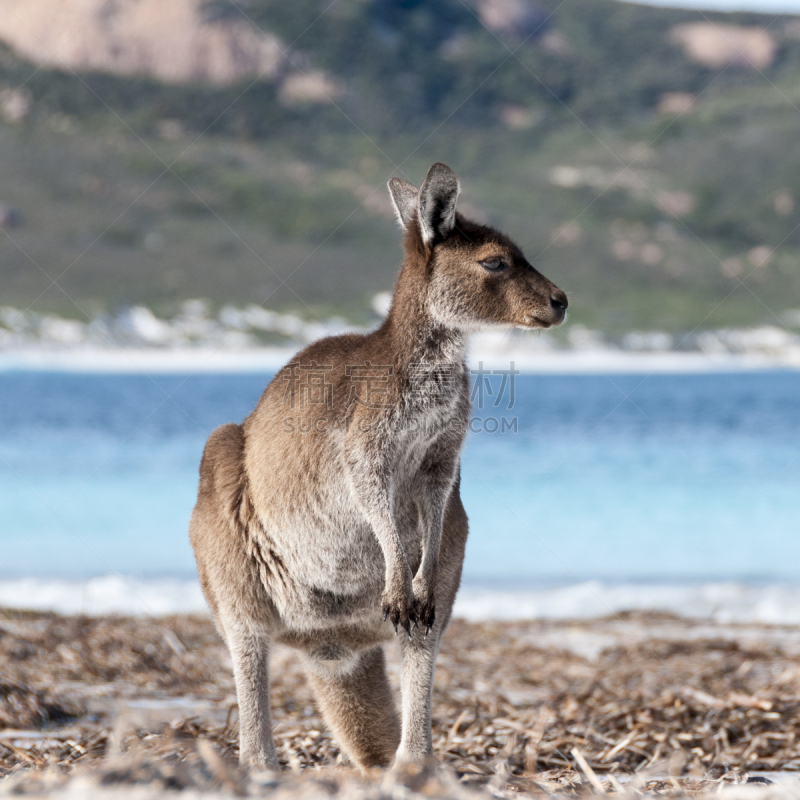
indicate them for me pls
(404, 199)
(437, 203)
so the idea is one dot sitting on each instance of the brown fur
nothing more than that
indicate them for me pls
(315, 518)
(359, 708)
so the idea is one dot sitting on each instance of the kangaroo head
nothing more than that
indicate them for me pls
(474, 276)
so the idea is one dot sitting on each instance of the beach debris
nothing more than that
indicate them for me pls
(669, 706)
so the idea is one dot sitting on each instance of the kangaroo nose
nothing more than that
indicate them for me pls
(558, 300)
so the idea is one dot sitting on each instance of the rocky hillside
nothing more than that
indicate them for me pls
(169, 41)
(178, 42)
(237, 150)
(513, 62)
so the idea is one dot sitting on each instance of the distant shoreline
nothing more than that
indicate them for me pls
(133, 360)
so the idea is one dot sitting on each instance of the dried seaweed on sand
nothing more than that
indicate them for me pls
(651, 702)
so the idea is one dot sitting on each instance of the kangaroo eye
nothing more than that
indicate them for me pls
(494, 264)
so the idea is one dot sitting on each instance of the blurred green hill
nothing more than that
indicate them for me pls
(647, 160)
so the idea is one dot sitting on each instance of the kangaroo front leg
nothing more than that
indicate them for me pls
(416, 684)
(370, 475)
(424, 584)
(250, 655)
(435, 483)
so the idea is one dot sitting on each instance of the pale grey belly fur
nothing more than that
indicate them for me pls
(333, 568)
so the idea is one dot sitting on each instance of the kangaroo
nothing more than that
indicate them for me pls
(336, 504)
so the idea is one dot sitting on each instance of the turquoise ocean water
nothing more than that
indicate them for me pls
(665, 478)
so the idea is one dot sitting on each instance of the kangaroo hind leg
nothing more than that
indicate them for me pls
(356, 701)
(250, 656)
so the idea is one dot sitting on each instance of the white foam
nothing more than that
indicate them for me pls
(777, 604)
(110, 594)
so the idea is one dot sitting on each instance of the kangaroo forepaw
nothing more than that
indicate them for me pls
(402, 613)
(427, 616)
(425, 606)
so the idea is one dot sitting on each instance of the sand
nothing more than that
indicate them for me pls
(635, 704)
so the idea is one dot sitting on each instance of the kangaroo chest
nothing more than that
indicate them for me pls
(434, 414)
(327, 545)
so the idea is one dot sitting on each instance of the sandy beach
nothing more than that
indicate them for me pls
(652, 701)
